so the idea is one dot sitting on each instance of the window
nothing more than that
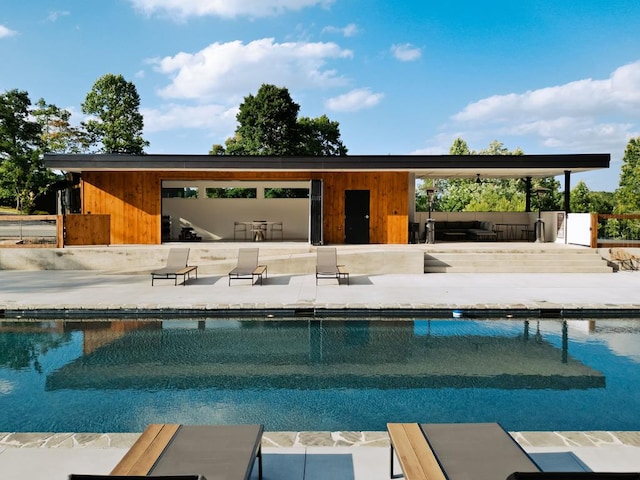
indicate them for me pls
(286, 193)
(180, 192)
(231, 192)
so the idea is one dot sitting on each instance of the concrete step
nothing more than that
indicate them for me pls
(496, 261)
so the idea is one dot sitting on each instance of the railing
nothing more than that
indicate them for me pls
(609, 230)
(31, 231)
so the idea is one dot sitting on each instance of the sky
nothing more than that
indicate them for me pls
(401, 77)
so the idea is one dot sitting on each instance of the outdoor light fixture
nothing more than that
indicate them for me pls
(430, 227)
(478, 181)
(540, 192)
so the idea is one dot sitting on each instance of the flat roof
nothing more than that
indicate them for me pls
(424, 166)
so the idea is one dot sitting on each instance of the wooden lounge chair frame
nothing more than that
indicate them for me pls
(175, 267)
(146, 455)
(327, 265)
(247, 267)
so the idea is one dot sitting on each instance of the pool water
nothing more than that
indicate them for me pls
(294, 375)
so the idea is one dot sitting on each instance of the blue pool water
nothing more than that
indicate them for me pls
(291, 375)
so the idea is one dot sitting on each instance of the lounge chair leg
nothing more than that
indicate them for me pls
(260, 464)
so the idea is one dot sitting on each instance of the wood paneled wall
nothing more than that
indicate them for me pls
(133, 200)
(87, 229)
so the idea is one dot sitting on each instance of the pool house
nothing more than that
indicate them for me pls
(357, 199)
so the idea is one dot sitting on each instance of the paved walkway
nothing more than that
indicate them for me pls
(33, 292)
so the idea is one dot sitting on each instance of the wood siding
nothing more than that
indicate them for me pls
(87, 229)
(133, 200)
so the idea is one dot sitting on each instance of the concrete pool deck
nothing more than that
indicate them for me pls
(63, 292)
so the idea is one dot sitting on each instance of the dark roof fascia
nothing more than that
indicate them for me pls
(90, 162)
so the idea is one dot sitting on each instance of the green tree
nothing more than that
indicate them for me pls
(58, 135)
(268, 124)
(320, 137)
(627, 195)
(581, 198)
(23, 177)
(117, 123)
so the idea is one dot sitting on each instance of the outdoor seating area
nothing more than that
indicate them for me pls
(259, 230)
(465, 230)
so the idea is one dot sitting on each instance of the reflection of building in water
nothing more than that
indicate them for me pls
(319, 354)
(608, 331)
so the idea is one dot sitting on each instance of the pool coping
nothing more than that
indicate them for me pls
(569, 439)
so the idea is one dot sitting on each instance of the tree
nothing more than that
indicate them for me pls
(268, 124)
(58, 135)
(320, 137)
(117, 123)
(22, 175)
(627, 195)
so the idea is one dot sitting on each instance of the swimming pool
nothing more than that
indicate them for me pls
(293, 375)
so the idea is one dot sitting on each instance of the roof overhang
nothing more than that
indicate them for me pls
(423, 166)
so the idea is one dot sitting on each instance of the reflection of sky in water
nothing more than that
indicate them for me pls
(611, 349)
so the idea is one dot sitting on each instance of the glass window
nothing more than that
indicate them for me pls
(180, 192)
(231, 192)
(286, 193)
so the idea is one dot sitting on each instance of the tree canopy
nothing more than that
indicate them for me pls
(22, 175)
(627, 196)
(117, 123)
(268, 124)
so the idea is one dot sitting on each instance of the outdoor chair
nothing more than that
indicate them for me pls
(327, 265)
(482, 451)
(240, 227)
(227, 452)
(276, 227)
(175, 267)
(247, 267)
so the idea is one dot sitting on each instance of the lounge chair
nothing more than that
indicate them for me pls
(482, 451)
(226, 452)
(247, 267)
(175, 267)
(327, 265)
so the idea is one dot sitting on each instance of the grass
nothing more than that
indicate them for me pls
(8, 211)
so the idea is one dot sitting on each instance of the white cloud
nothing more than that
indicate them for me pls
(215, 118)
(406, 52)
(224, 8)
(54, 16)
(226, 71)
(350, 30)
(6, 32)
(354, 100)
(584, 115)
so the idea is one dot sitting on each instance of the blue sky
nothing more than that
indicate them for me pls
(401, 77)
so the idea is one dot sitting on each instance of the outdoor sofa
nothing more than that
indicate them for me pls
(473, 230)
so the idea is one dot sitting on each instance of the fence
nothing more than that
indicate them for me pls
(615, 230)
(31, 231)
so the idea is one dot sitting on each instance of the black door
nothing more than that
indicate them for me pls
(316, 212)
(356, 213)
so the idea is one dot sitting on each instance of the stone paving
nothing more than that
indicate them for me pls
(314, 439)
